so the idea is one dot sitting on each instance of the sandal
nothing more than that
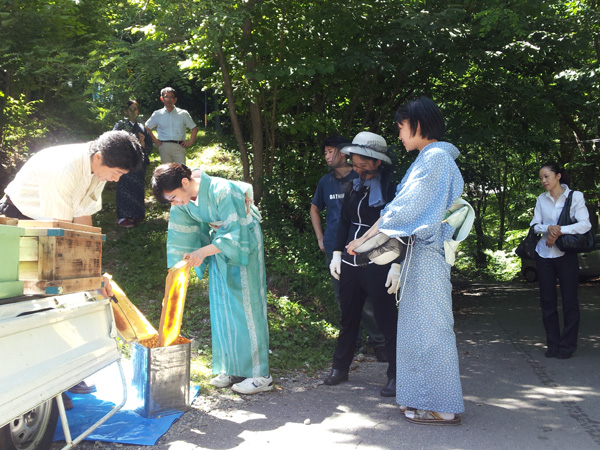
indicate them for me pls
(423, 417)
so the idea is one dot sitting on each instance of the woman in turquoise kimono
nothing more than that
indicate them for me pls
(428, 386)
(213, 222)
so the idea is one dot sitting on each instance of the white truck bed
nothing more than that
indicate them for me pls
(49, 344)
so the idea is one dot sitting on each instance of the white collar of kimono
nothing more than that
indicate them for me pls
(199, 180)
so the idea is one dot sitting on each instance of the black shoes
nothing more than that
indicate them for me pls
(389, 390)
(83, 388)
(336, 377)
(553, 354)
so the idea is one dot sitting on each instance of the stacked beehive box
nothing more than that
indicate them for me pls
(59, 257)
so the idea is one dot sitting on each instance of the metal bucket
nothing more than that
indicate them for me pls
(161, 376)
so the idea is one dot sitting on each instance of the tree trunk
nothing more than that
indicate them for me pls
(257, 147)
(254, 108)
(501, 195)
(235, 123)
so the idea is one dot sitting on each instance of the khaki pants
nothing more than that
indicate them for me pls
(171, 152)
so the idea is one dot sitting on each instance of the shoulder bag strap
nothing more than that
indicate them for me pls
(565, 215)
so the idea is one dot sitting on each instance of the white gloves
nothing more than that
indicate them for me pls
(393, 278)
(335, 266)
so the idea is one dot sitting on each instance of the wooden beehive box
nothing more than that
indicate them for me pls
(59, 257)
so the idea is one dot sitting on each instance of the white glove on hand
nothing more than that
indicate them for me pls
(393, 279)
(335, 266)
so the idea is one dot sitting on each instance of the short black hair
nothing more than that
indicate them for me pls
(424, 112)
(166, 90)
(334, 141)
(119, 149)
(167, 177)
(131, 102)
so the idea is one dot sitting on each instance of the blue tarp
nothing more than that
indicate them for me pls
(126, 426)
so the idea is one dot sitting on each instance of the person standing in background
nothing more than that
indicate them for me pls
(171, 124)
(329, 196)
(131, 186)
(553, 264)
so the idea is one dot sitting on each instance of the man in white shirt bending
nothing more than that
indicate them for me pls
(171, 124)
(65, 182)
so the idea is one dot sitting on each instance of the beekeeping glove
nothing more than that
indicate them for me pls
(393, 278)
(335, 266)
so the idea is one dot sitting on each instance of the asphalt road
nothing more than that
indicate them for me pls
(515, 398)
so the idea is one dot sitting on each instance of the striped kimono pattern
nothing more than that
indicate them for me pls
(236, 276)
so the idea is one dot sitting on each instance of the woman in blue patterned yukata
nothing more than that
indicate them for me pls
(213, 222)
(428, 381)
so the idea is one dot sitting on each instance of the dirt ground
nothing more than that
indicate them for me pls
(514, 397)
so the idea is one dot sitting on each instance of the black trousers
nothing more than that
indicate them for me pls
(8, 209)
(356, 284)
(566, 270)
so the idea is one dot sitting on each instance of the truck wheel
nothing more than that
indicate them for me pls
(530, 274)
(32, 431)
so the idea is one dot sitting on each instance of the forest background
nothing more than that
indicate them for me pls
(266, 81)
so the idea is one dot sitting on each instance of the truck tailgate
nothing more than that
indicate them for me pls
(50, 344)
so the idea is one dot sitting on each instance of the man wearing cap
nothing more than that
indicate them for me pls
(171, 124)
(370, 192)
(329, 196)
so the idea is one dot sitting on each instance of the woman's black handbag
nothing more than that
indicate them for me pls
(526, 249)
(574, 243)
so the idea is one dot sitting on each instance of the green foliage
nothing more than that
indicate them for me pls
(18, 127)
(518, 83)
(502, 265)
(299, 338)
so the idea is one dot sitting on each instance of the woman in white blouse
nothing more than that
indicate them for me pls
(553, 264)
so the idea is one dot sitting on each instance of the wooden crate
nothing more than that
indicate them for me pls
(59, 257)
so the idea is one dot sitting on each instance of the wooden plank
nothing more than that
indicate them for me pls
(77, 258)
(28, 270)
(32, 287)
(131, 323)
(47, 260)
(61, 232)
(59, 224)
(28, 249)
(8, 221)
(84, 235)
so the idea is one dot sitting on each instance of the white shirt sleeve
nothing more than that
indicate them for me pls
(188, 120)
(152, 122)
(537, 220)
